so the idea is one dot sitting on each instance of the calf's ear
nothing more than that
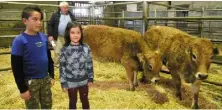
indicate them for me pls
(188, 51)
(215, 51)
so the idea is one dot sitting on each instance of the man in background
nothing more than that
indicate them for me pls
(57, 26)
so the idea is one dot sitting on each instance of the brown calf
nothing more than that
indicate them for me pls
(125, 46)
(187, 57)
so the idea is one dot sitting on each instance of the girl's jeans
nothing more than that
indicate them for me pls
(83, 92)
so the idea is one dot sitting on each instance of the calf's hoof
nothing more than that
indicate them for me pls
(195, 106)
(136, 85)
(179, 96)
(132, 89)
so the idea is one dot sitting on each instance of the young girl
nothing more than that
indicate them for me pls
(76, 67)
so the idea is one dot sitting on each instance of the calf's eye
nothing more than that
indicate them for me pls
(194, 57)
(150, 67)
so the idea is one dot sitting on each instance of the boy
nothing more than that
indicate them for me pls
(31, 62)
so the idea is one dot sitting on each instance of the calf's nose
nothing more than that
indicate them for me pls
(155, 80)
(201, 76)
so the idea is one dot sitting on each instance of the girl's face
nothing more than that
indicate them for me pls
(75, 34)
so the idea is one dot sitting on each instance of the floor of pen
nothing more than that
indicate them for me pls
(110, 90)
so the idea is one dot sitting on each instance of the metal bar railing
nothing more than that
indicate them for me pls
(172, 6)
(116, 4)
(219, 18)
(35, 4)
(185, 18)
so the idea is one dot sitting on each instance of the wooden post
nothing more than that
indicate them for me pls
(119, 23)
(155, 22)
(90, 16)
(168, 8)
(93, 13)
(201, 23)
(210, 30)
(44, 22)
(145, 15)
(123, 21)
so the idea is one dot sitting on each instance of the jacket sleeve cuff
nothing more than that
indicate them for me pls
(52, 76)
(23, 89)
(90, 80)
(64, 85)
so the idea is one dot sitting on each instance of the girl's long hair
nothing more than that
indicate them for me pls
(67, 33)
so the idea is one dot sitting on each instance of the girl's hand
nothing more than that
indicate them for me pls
(90, 84)
(64, 89)
(52, 82)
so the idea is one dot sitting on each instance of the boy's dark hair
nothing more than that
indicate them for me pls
(27, 11)
(67, 33)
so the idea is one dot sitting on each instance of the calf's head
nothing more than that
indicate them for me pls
(200, 53)
(151, 63)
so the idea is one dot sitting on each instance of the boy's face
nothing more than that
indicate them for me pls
(75, 34)
(34, 22)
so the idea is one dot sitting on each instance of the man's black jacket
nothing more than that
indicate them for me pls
(54, 23)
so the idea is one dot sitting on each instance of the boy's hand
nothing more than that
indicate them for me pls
(64, 89)
(90, 84)
(52, 81)
(26, 95)
(51, 38)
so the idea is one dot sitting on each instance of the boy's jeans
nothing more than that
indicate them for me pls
(41, 96)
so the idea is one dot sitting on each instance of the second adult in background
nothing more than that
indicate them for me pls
(56, 27)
